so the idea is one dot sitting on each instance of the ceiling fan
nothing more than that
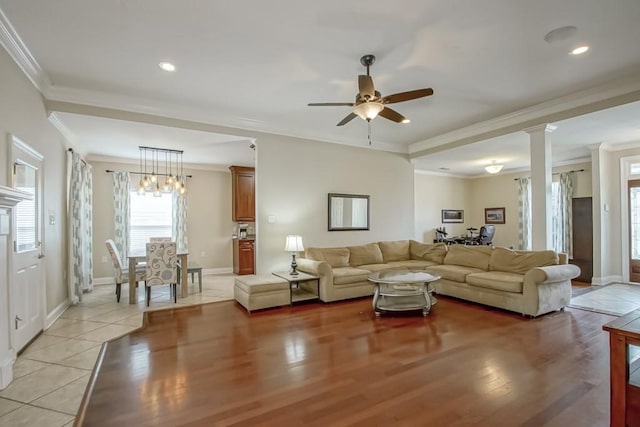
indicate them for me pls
(370, 103)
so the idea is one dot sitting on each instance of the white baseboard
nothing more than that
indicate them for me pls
(56, 313)
(6, 371)
(223, 270)
(605, 280)
(110, 281)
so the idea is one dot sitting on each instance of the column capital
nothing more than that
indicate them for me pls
(546, 127)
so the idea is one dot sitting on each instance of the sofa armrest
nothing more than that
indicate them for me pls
(552, 274)
(321, 269)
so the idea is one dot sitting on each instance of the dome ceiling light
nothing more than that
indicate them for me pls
(493, 168)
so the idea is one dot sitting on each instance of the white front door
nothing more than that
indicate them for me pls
(26, 289)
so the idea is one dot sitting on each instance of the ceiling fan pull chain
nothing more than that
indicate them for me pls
(369, 131)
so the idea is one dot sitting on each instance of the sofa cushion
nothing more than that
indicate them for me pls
(410, 264)
(469, 256)
(374, 267)
(454, 273)
(503, 259)
(397, 250)
(427, 251)
(335, 257)
(346, 275)
(498, 280)
(365, 254)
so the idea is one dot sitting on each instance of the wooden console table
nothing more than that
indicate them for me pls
(624, 348)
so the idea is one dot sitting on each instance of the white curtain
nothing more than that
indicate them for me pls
(562, 214)
(524, 212)
(80, 226)
(179, 234)
(121, 192)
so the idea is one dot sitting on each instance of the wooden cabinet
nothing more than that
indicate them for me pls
(243, 256)
(243, 195)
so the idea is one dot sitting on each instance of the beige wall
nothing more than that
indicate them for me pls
(293, 178)
(434, 193)
(209, 218)
(22, 114)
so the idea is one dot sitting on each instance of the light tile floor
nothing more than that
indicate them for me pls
(51, 374)
(617, 299)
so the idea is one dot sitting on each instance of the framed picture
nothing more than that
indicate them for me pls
(494, 216)
(452, 215)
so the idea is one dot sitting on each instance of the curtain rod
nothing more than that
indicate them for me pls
(558, 173)
(81, 159)
(138, 173)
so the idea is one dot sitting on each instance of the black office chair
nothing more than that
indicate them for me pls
(485, 236)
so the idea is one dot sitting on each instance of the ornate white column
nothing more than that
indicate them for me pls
(540, 151)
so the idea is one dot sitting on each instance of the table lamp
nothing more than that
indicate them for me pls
(293, 244)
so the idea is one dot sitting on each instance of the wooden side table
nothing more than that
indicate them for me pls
(297, 292)
(624, 348)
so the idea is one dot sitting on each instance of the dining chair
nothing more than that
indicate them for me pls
(162, 261)
(121, 269)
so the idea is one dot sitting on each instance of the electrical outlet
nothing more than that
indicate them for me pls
(104, 258)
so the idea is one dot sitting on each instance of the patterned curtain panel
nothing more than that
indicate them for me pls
(562, 214)
(80, 227)
(179, 233)
(121, 189)
(524, 211)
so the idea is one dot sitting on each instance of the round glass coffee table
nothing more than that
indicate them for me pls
(402, 290)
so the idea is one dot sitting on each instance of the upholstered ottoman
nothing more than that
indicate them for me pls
(256, 292)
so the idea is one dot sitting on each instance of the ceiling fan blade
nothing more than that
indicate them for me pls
(407, 96)
(330, 104)
(365, 85)
(347, 119)
(392, 115)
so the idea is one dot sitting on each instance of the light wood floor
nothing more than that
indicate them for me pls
(336, 364)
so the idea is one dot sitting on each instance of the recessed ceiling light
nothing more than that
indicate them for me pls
(580, 50)
(560, 34)
(167, 66)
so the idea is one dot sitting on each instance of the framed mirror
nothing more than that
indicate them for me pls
(348, 212)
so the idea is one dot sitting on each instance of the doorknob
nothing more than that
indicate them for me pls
(18, 319)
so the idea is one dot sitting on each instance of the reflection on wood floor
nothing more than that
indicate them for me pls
(336, 364)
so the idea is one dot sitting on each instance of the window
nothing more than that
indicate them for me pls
(26, 214)
(149, 217)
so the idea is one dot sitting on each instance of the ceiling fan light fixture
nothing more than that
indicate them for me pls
(405, 120)
(368, 110)
(493, 168)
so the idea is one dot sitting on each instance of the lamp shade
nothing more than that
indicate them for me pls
(493, 167)
(293, 243)
(368, 110)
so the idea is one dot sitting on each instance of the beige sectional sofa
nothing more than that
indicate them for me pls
(527, 282)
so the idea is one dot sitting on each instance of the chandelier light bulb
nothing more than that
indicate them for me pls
(145, 182)
(141, 191)
(183, 189)
(154, 177)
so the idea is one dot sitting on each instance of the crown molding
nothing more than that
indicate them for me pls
(619, 92)
(623, 146)
(16, 48)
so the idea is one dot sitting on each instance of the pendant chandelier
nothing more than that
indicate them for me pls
(151, 158)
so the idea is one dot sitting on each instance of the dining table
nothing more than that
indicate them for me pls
(136, 256)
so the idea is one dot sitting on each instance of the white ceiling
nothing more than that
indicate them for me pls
(255, 65)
